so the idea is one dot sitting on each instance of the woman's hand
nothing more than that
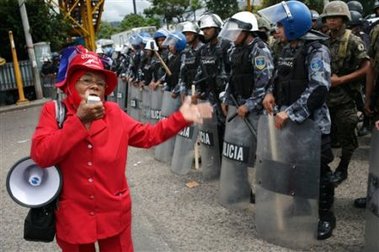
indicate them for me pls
(195, 113)
(88, 112)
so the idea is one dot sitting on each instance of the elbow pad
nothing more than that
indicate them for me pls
(317, 98)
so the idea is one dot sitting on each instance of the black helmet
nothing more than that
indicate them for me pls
(355, 6)
(356, 18)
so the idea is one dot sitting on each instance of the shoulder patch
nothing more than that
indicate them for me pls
(260, 62)
(361, 47)
(316, 65)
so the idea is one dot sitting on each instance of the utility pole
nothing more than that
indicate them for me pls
(29, 46)
(134, 7)
(248, 8)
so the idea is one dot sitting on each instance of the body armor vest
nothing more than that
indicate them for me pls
(191, 64)
(211, 58)
(242, 71)
(292, 78)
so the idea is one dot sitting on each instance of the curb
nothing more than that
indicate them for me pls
(33, 103)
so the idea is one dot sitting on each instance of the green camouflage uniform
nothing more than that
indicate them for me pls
(341, 99)
(374, 54)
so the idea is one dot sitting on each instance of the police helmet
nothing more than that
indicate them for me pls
(176, 39)
(241, 21)
(145, 36)
(293, 15)
(376, 4)
(355, 6)
(263, 23)
(135, 39)
(336, 8)
(189, 26)
(356, 18)
(151, 45)
(160, 33)
(210, 20)
(315, 15)
(99, 50)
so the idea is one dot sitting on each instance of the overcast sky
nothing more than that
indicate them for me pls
(116, 10)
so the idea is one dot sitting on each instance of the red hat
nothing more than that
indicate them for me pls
(82, 59)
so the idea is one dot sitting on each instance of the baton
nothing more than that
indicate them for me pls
(168, 71)
(248, 124)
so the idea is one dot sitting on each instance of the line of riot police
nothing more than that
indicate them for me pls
(279, 89)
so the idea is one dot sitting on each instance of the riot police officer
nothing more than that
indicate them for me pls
(350, 62)
(299, 91)
(211, 76)
(251, 66)
(190, 57)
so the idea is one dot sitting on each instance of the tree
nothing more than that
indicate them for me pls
(133, 20)
(105, 31)
(224, 9)
(45, 25)
(168, 9)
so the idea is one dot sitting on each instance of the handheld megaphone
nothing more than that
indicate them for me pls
(32, 186)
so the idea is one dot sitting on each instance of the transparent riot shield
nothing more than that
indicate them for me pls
(287, 182)
(135, 102)
(372, 208)
(210, 148)
(184, 150)
(121, 93)
(146, 101)
(164, 151)
(238, 151)
(156, 105)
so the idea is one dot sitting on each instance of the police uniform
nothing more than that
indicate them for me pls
(251, 69)
(300, 88)
(341, 99)
(189, 63)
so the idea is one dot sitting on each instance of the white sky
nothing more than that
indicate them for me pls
(116, 10)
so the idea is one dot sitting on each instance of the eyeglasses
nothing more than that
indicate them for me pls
(90, 81)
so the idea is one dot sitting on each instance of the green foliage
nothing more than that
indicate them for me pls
(133, 20)
(168, 9)
(224, 9)
(105, 30)
(45, 25)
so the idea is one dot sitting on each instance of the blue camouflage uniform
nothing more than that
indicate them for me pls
(254, 65)
(308, 103)
(189, 62)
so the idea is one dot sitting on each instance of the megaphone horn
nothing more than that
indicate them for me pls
(32, 186)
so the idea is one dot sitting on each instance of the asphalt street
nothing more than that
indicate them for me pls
(168, 215)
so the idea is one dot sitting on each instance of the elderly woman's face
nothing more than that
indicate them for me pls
(91, 83)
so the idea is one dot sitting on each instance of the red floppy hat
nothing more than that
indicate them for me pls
(88, 61)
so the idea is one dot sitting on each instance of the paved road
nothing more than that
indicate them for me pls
(167, 215)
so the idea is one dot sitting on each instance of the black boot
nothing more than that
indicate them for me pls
(327, 220)
(326, 226)
(340, 173)
(360, 202)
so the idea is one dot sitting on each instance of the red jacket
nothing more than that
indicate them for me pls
(95, 199)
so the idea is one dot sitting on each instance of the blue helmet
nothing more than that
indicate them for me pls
(161, 33)
(145, 36)
(295, 17)
(135, 40)
(177, 39)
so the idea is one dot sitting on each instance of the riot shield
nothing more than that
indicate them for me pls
(184, 150)
(372, 208)
(135, 101)
(287, 182)
(121, 93)
(164, 151)
(210, 148)
(146, 97)
(238, 151)
(156, 105)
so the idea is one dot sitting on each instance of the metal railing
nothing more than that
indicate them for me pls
(7, 77)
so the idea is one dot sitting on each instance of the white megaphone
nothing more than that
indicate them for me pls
(32, 186)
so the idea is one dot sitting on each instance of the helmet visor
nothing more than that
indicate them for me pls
(276, 13)
(169, 41)
(232, 29)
